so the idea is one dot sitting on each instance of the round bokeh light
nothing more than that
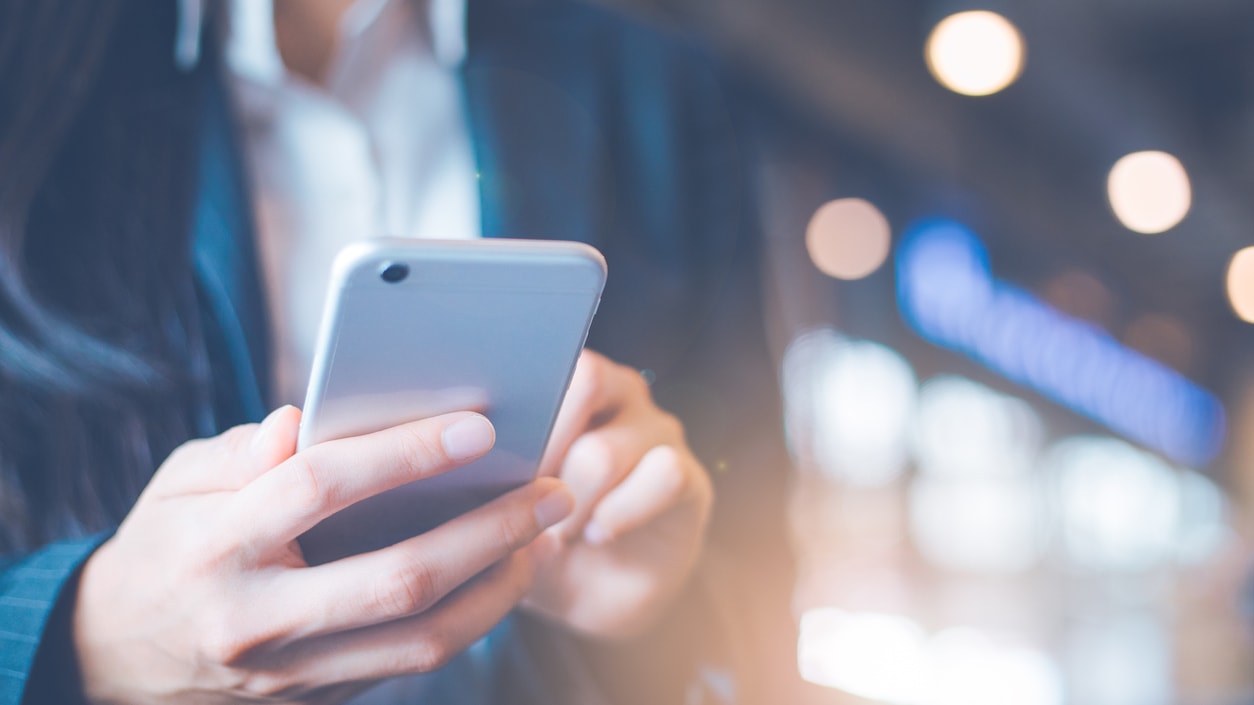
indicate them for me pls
(975, 53)
(1241, 284)
(1149, 192)
(848, 239)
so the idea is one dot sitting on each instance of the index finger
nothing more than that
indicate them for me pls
(312, 485)
(412, 576)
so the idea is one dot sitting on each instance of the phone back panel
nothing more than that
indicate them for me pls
(492, 325)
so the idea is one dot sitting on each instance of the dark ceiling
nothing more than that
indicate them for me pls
(1027, 167)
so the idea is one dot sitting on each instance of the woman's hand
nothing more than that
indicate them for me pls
(202, 596)
(643, 501)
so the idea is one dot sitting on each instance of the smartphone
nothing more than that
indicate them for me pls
(417, 328)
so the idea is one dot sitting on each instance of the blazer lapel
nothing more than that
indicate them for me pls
(226, 268)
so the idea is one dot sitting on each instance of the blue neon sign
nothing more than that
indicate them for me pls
(947, 292)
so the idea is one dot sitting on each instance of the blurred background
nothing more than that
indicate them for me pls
(1011, 302)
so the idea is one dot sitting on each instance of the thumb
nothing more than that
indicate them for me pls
(230, 460)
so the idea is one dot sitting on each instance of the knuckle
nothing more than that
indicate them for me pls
(672, 467)
(594, 462)
(418, 451)
(210, 555)
(672, 427)
(184, 454)
(601, 464)
(517, 529)
(430, 653)
(224, 644)
(303, 487)
(238, 437)
(669, 453)
(596, 454)
(407, 590)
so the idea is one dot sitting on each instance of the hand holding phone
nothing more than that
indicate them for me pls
(417, 328)
(642, 504)
(202, 592)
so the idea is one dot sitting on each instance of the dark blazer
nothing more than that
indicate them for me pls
(585, 127)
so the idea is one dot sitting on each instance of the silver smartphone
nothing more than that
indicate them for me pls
(418, 328)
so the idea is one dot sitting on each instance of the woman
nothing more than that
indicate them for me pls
(132, 320)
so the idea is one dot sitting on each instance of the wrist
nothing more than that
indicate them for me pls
(55, 675)
(86, 633)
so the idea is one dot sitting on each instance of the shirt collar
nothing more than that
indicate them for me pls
(251, 50)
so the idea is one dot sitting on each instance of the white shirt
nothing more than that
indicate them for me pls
(383, 149)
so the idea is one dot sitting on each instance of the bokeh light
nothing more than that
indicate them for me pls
(849, 406)
(1204, 530)
(1149, 192)
(874, 656)
(1078, 293)
(977, 525)
(975, 53)
(1118, 659)
(975, 505)
(848, 239)
(1119, 506)
(973, 669)
(891, 659)
(965, 430)
(1241, 284)
(947, 292)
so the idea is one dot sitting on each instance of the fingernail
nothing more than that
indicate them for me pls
(469, 438)
(556, 506)
(595, 534)
(262, 435)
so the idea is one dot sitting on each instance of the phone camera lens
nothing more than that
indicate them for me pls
(394, 273)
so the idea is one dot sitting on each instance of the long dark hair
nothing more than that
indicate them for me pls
(102, 364)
